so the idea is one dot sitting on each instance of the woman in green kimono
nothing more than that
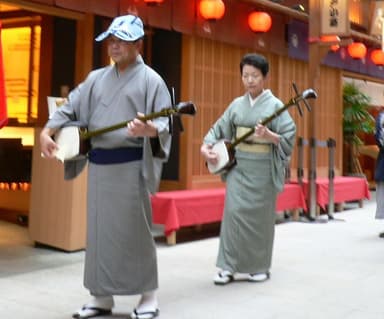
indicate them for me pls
(252, 185)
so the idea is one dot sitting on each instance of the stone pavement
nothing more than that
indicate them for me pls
(332, 270)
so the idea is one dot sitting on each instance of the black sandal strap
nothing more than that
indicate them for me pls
(154, 313)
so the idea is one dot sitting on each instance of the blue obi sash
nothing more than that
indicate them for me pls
(115, 155)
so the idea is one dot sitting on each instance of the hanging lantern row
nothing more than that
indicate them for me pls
(358, 50)
(213, 10)
(261, 22)
(14, 186)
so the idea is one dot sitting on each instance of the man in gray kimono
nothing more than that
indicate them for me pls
(124, 168)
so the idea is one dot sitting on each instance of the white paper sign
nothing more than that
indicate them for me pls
(335, 17)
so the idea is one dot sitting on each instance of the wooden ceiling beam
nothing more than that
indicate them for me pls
(280, 8)
(46, 9)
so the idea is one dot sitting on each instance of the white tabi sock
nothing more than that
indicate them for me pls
(148, 302)
(102, 302)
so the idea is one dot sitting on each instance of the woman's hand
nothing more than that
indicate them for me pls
(264, 132)
(209, 155)
(139, 128)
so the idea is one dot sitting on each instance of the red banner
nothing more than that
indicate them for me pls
(3, 97)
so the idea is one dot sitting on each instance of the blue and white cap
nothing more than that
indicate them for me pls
(126, 28)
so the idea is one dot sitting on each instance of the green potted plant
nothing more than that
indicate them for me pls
(356, 121)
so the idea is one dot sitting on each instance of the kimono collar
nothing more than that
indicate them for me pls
(263, 94)
(139, 60)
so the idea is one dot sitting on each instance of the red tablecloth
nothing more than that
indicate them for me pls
(346, 189)
(180, 208)
(292, 197)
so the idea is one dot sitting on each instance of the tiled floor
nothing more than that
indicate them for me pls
(332, 270)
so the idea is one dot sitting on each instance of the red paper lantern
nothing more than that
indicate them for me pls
(153, 2)
(335, 47)
(259, 21)
(357, 50)
(212, 9)
(331, 38)
(377, 57)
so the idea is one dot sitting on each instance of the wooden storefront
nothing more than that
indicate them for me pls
(204, 68)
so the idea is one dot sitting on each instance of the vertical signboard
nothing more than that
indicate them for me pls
(334, 17)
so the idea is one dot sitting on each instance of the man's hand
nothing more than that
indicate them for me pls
(47, 145)
(138, 128)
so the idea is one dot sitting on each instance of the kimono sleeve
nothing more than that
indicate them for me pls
(75, 110)
(223, 128)
(286, 128)
(158, 98)
(156, 150)
(77, 107)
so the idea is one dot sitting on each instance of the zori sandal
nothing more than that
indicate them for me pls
(223, 277)
(91, 312)
(260, 277)
(145, 314)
